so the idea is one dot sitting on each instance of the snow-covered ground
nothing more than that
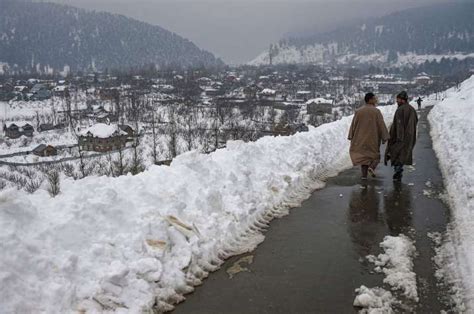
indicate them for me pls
(452, 131)
(133, 242)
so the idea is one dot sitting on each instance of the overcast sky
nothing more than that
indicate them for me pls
(238, 30)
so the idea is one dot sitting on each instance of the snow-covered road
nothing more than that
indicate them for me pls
(374, 237)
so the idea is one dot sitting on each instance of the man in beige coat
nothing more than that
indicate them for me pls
(367, 132)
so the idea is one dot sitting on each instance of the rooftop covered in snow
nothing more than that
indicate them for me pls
(102, 130)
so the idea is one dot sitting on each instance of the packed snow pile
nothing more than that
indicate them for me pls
(133, 243)
(397, 264)
(374, 300)
(452, 131)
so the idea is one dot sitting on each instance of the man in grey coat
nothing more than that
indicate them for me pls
(402, 136)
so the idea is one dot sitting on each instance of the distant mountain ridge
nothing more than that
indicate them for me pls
(48, 37)
(410, 36)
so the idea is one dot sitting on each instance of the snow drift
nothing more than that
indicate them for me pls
(136, 242)
(452, 130)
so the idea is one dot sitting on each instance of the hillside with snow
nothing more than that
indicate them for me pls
(409, 37)
(46, 37)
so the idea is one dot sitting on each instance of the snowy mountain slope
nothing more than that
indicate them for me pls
(428, 32)
(46, 37)
(452, 130)
(134, 242)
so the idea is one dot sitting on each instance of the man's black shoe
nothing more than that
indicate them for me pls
(397, 176)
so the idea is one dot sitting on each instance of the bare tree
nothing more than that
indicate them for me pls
(189, 130)
(54, 179)
(154, 143)
(120, 165)
(38, 122)
(172, 136)
(135, 114)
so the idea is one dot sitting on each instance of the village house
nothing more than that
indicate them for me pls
(422, 79)
(109, 94)
(102, 138)
(319, 106)
(45, 127)
(127, 129)
(45, 150)
(61, 91)
(267, 94)
(17, 129)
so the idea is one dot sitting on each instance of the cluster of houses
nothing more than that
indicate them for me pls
(17, 129)
(293, 85)
(100, 137)
(32, 89)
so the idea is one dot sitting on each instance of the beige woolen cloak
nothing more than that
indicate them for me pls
(367, 132)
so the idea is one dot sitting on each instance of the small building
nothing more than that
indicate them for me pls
(303, 95)
(267, 94)
(109, 94)
(127, 129)
(423, 79)
(41, 95)
(319, 106)
(61, 91)
(17, 129)
(46, 127)
(212, 92)
(45, 150)
(102, 138)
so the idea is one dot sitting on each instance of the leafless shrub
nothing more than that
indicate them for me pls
(32, 185)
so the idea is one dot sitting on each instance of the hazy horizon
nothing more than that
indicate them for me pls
(237, 31)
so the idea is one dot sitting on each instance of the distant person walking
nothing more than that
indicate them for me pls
(402, 136)
(367, 132)
(419, 101)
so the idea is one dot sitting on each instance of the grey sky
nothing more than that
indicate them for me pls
(238, 30)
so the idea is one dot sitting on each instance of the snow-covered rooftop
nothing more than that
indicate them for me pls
(102, 130)
(319, 101)
(17, 123)
(268, 92)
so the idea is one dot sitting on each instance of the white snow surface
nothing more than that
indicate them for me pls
(452, 131)
(397, 264)
(374, 300)
(126, 244)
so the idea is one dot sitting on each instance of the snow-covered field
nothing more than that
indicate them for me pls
(452, 130)
(133, 242)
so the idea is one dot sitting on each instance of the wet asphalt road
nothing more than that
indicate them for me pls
(313, 259)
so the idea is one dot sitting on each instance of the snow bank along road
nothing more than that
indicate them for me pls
(452, 123)
(136, 242)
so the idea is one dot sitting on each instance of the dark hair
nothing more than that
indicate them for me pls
(368, 97)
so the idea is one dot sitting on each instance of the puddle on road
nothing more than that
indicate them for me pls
(238, 266)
